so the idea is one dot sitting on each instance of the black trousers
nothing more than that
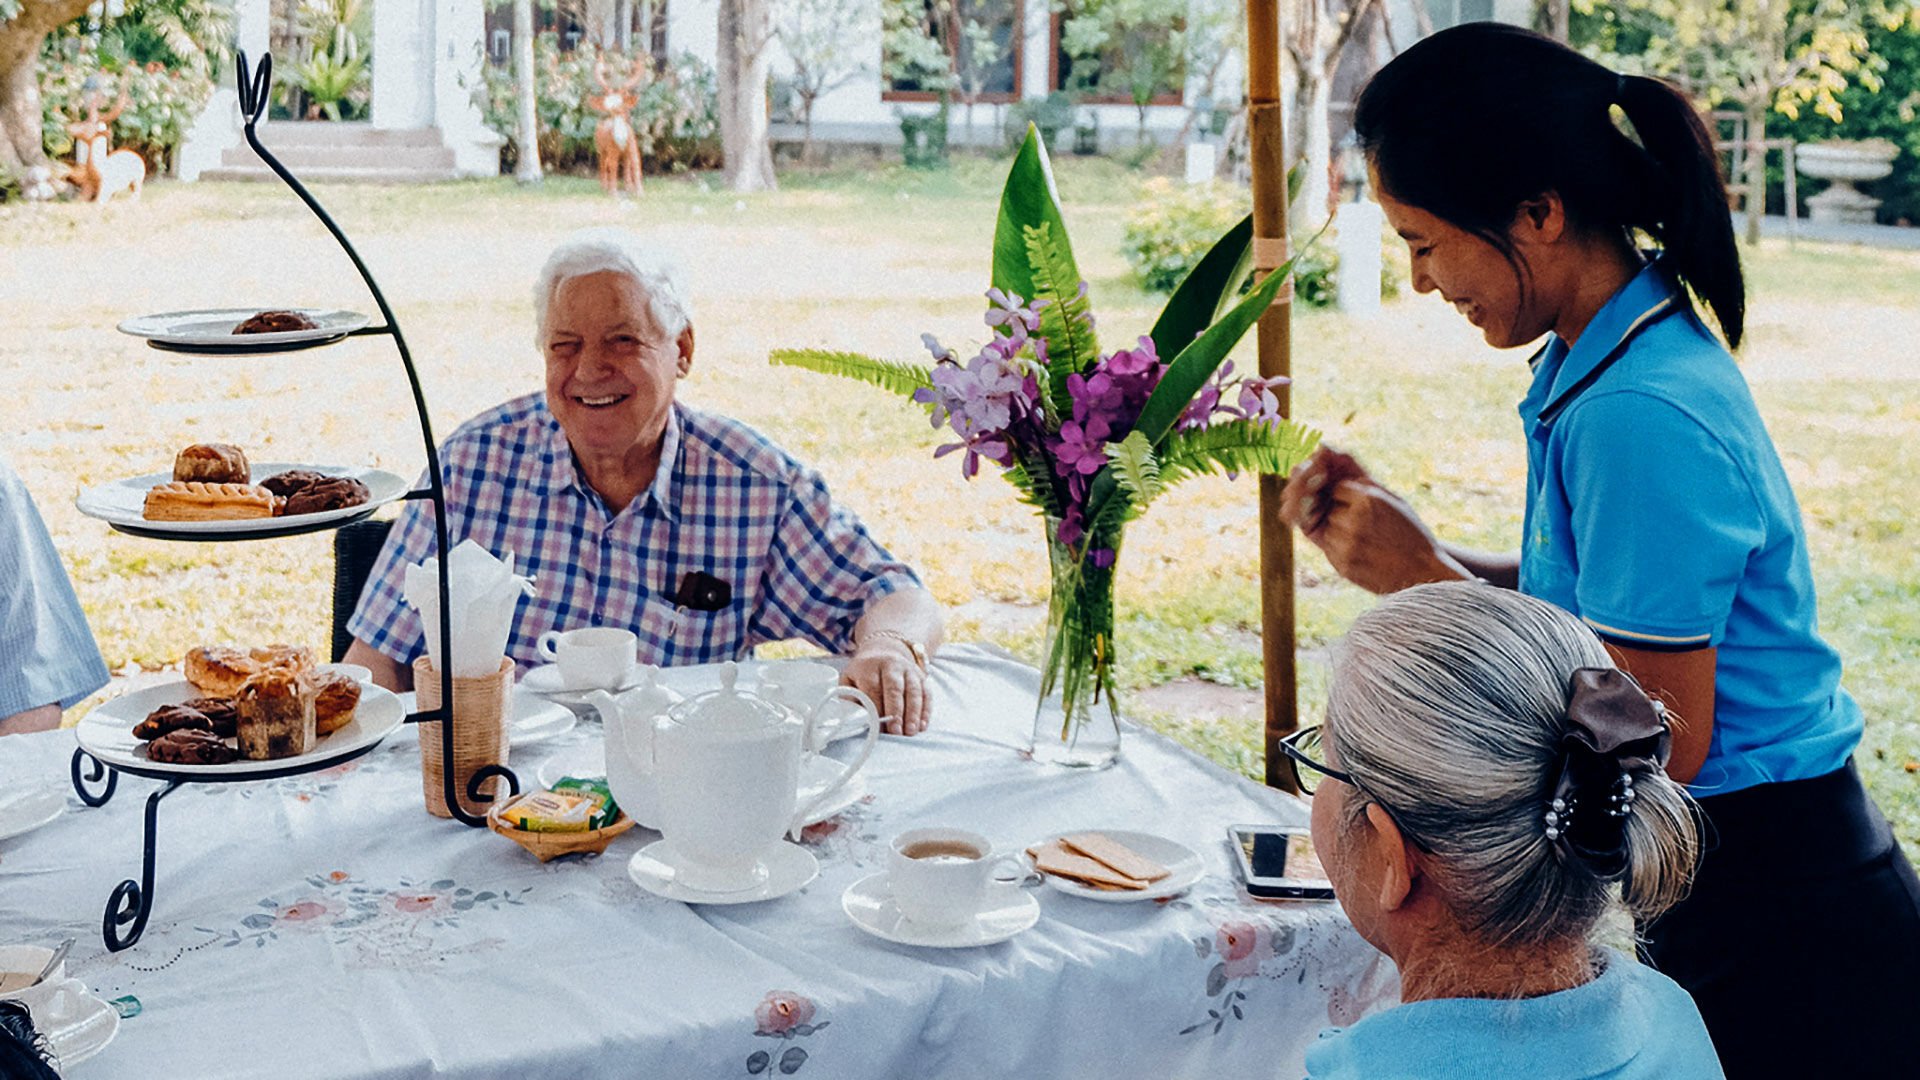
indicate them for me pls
(1800, 941)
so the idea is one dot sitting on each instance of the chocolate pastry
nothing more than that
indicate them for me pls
(190, 747)
(213, 463)
(291, 481)
(168, 718)
(276, 714)
(335, 697)
(221, 712)
(332, 493)
(275, 322)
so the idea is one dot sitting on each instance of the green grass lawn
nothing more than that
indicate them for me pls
(868, 260)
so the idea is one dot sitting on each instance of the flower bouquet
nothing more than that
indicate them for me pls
(1090, 438)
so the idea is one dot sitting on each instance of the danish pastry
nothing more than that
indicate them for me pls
(212, 463)
(195, 500)
(217, 670)
(334, 699)
(296, 657)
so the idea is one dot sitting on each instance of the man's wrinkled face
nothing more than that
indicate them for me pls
(610, 369)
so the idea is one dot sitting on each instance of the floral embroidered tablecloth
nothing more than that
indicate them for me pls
(325, 926)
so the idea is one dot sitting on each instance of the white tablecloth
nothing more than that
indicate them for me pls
(325, 926)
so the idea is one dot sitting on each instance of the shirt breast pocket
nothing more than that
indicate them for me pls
(671, 635)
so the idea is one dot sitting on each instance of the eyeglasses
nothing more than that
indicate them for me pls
(1304, 747)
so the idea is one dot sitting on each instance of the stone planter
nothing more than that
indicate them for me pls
(1844, 164)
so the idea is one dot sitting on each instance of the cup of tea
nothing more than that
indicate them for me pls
(797, 684)
(596, 657)
(939, 876)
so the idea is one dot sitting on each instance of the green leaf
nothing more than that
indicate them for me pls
(1135, 469)
(1211, 284)
(1029, 200)
(1064, 322)
(1037, 493)
(1295, 181)
(1240, 446)
(1197, 362)
(899, 376)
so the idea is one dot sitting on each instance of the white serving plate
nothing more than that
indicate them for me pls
(1182, 862)
(22, 812)
(213, 327)
(121, 501)
(107, 734)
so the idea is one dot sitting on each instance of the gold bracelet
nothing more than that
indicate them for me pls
(917, 650)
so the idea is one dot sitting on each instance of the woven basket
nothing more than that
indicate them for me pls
(551, 845)
(481, 710)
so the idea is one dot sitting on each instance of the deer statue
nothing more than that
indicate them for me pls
(614, 139)
(101, 174)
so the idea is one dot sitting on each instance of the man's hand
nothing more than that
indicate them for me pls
(885, 670)
(1369, 534)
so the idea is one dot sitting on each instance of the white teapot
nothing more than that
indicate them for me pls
(628, 722)
(726, 778)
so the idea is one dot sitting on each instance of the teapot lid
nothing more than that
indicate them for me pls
(729, 710)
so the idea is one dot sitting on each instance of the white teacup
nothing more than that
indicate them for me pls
(803, 686)
(939, 877)
(596, 657)
(54, 1000)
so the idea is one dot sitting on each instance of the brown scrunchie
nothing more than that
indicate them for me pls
(1613, 730)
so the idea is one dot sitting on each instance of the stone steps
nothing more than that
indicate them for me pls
(342, 153)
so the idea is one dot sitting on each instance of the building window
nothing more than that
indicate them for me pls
(972, 47)
(1101, 56)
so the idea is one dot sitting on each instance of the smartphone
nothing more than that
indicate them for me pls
(1278, 862)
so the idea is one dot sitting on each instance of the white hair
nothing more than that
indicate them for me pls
(1448, 704)
(603, 250)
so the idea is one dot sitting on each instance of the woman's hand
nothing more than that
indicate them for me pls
(886, 671)
(1369, 534)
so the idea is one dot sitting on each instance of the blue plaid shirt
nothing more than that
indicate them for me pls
(726, 502)
(47, 654)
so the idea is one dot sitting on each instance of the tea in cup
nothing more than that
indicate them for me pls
(51, 1002)
(939, 877)
(597, 657)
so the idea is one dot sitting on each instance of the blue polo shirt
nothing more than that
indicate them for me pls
(1657, 511)
(1630, 1023)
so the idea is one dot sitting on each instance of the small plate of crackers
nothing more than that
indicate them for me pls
(1116, 866)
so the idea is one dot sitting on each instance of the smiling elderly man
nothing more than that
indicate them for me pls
(632, 510)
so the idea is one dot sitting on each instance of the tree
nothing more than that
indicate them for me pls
(745, 29)
(1763, 56)
(825, 41)
(1215, 32)
(1134, 48)
(526, 142)
(1316, 34)
(24, 26)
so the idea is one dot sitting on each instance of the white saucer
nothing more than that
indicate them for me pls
(84, 1035)
(27, 811)
(545, 681)
(789, 867)
(1008, 910)
(1182, 863)
(842, 720)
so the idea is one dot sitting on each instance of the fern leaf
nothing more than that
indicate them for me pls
(1135, 468)
(899, 376)
(1238, 446)
(1071, 345)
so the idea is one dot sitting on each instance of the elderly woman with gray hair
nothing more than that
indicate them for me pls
(635, 511)
(1486, 785)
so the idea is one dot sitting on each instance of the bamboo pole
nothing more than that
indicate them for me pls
(1266, 131)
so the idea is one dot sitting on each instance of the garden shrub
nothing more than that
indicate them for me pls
(1175, 225)
(1892, 112)
(161, 104)
(677, 118)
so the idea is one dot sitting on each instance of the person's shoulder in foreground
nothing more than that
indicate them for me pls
(1628, 1023)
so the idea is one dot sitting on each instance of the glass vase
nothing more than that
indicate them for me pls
(1076, 722)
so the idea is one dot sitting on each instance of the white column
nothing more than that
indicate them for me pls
(403, 64)
(1357, 242)
(217, 128)
(460, 57)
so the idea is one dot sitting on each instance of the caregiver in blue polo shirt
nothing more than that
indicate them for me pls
(1524, 179)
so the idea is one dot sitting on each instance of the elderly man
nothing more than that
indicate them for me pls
(48, 661)
(632, 510)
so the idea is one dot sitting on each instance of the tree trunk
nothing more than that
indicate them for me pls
(746, 153)
(1756, 170)
(1561, 22)
(806, 128)
(527, 138)
(20, 41)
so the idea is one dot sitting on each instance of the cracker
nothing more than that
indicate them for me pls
(1053, 858)
(1105, 849)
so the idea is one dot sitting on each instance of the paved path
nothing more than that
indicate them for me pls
(1879, 236)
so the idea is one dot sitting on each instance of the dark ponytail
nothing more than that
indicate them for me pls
(1473, 121)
